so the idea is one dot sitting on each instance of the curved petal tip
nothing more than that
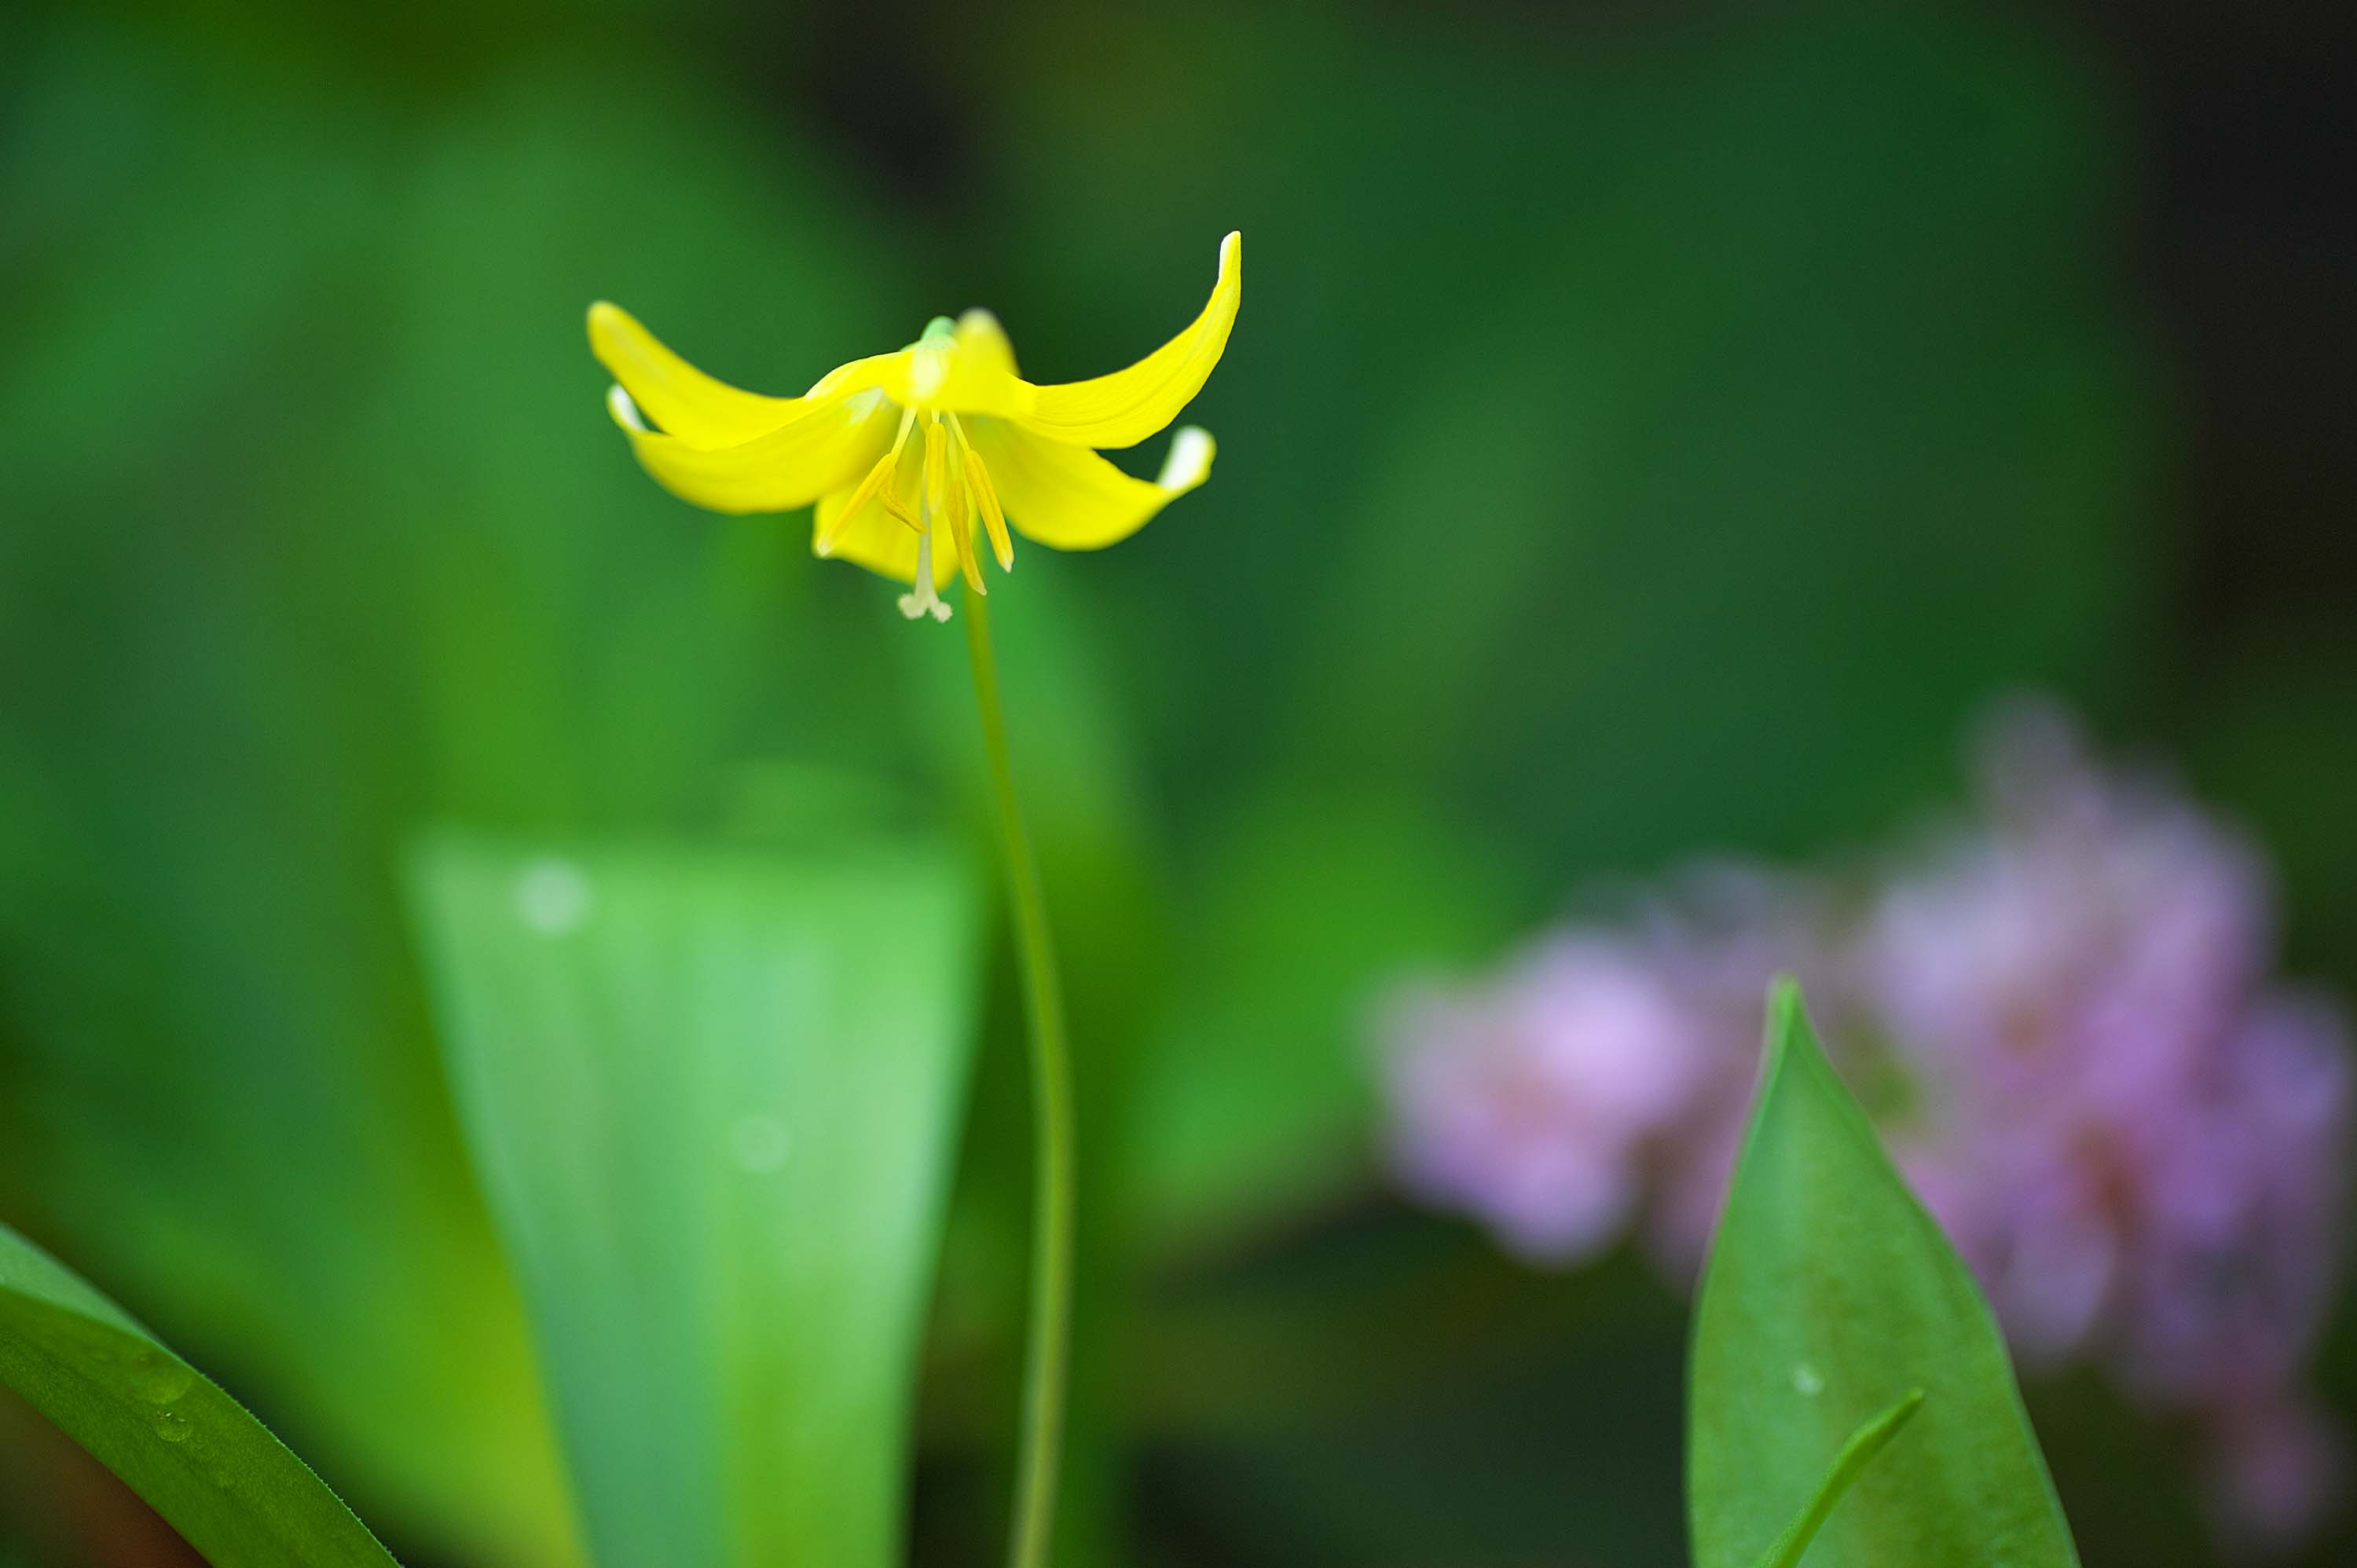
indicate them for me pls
(1189, 462)
(1126, 407)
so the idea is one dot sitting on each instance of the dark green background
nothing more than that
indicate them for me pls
(1648, 430)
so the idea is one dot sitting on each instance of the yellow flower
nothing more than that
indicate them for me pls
(908, 454)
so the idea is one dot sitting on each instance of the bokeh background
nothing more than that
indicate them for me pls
(1651, 430)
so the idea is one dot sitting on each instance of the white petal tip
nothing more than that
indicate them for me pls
(625, 412)
(1190, 463)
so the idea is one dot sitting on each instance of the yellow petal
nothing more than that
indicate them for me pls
(674, 394)
(1126, 407)
(875, 539)
(827, 445)
(876, 370)
(1068, 496)
(981, 337)
(940, 371)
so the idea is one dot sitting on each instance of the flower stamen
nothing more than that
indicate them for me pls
(879, 482)
(986, 498)
(945, 495)
(936, 469)
(961, 527)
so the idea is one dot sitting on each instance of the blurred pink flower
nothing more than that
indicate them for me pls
(2061, 1014)
(1532, 1102)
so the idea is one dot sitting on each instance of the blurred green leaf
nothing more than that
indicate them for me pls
(1829, 1293)
(216, 1473)
(712, 1096)
(1256, 1095)
(239, 664)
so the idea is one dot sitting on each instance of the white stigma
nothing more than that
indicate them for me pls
(920, 600)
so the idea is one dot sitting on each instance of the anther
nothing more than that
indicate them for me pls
(986, 498)
(877, 482)
(958, 519)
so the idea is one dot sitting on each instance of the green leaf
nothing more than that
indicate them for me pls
(232, 1490)
(712, 1096)
(258, 1133)
(1864, 1445)
(1829, 1291)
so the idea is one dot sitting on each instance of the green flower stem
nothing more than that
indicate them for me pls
(1048, 1352)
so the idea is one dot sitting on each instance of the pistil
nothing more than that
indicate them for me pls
(920, 600)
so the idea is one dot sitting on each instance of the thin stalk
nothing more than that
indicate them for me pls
(1048, 1352)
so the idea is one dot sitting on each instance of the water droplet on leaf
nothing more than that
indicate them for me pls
(553, 897)
(759, 1144)
(159, 1379)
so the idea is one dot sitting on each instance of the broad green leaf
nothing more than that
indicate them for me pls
(202, 786)
(491, 641)
(711, 1095)
(1830, 1293)
(231, 1488)
(1864, 1445)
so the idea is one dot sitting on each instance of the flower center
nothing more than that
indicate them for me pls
(953, 494)
(931, 361)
